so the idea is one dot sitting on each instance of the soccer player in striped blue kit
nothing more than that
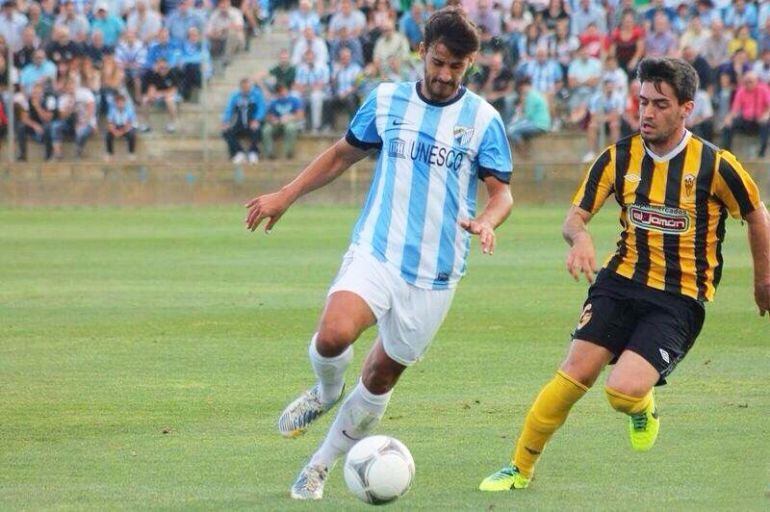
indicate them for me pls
(437, 140)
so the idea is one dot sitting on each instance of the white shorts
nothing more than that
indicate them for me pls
(407, 317)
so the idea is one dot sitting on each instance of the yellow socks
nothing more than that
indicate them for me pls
(546, 415)
(628, 404)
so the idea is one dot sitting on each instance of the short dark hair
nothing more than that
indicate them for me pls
(677, 73)
(451, 27)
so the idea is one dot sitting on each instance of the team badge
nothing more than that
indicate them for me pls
(463, 134)
(689, 184)
(585, 316)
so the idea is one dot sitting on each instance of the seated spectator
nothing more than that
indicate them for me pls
(390, 44)
(763, 41)
(750, 112)
(225, 31)
(700, 120)
(77, 117)
(76, 23)
(348, 17)
(145, 22)
(113, 82)
(162, 89)
(184, 17)
(243, 117)
(606, 109)
(736, 67)
(41, 23)
(715, 48)
(515, 21)
(705, 73)
(195, 61)
(743, 41)
(344, 95)
(762, 67)
(312, 85)
(706, 12)
(561, 45)
(353, 44)
(412, 25)
(695, 36)
(488, 17)
(616, 75)
(121, 123)
(586, 13)
(131, 55)
(656, 8)
(629, 122)
(164, 49)
(723, 101)
(583, 80)
(62, 48)
(529, 42)
(302, 17)
(95, 51)
(741, 13)
(29, 43)
(557, 11)
(109, 25)
(682, 19)
(597, 44)
(285, 116)
(545, 75)
(37, 121)
(495, 84)
(532, 117)
(38, 70)
(282, 73)
(661, 41)
(310, 41)
(5, 80)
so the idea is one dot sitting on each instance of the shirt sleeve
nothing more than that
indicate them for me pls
(362, 131)
(597, 184)
(495, 153)
(735, 187)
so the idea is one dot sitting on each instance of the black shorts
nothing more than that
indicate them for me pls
(621, 314)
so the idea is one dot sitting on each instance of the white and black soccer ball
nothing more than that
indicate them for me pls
(379, 469)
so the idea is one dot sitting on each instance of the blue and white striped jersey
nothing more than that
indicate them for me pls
(432, 156)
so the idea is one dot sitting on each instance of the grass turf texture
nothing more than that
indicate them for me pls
(145, 356)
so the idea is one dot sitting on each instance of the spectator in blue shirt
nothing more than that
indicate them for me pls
(195, 61)
(243, 118)
(163, 48)
(412, 25)
(344, 96)
(121, 123)
(345, 40)
(285, 116)
(40, 68)
(182, 19)
(742, 13)
(109, 25)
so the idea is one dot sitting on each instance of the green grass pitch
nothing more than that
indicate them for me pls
(145, 355)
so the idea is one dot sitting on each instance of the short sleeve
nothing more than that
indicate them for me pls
(362, 132)
(494, 155)
(597, 184)
(734, 187)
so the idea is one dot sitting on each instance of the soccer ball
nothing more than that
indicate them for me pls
(379, 469)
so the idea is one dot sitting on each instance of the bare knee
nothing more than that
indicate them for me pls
(380, 373)
(580, 371)
(334, 337)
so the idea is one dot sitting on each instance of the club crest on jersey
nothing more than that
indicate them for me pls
(659, 218)
(463, 134)
(689, 184)
(585, 316)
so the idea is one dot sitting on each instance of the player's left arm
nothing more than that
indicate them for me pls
(759, 241)
(497, 210)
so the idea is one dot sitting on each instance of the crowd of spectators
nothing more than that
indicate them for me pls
(72, 69)
(544, 64)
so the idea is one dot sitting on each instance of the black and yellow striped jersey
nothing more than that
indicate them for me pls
(673, 211)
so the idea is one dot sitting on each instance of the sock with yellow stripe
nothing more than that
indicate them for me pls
(546, 415)
(628, 404)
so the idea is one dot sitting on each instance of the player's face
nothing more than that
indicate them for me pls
(443, 71)
(660, 114)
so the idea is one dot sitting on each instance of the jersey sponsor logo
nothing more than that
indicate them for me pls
(431, 154)
(463, 134)
(659, 218)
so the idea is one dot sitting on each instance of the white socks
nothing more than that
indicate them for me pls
(358, 415)
(330, 371)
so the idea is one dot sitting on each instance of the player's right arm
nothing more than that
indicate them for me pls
(589, 198)
(324, 169)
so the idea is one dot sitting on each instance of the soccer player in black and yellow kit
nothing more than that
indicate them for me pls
(645, 307)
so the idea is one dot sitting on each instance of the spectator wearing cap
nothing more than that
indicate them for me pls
(412, 25)
(744, 41)
(750, 112)
(195, 61)
(76, 23)
(349, 17)
(700, 121)
(302, 17)
(285, 114)
(344, 96)
(225, 31)
(243, 117)
(144, 21)
(588, 12)
(531, 118)
(714, 49)
(583, 78)
(131, 55)
(741, 13)
(38, 70)
(312, 84)
(661, 41)
(606, 110)
(183, 19)
(30, 43)
(109, 25)
(310, 41)
(121, 124)
(12, 24)
(345, 40)
(627, 42)
(162, 89)
(41, 23)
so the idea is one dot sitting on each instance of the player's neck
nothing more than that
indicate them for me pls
(664, 148)
(426, 95)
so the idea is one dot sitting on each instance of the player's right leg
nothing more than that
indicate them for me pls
(345, 317)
